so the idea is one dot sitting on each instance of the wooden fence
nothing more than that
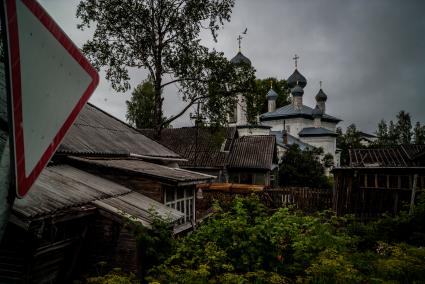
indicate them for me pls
(303, 198)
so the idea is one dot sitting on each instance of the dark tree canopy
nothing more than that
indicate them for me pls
(162, 36)
(350, 140)
(303, 168)
(400, 132)
(419, 133)
(141, 105)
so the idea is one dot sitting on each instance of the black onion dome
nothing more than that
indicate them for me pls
(272, 95)
(317, 112)
(240, 58)
(321, 96)
(297, 91)
(296, 77)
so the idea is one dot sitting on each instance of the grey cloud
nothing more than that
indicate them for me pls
(369, 54)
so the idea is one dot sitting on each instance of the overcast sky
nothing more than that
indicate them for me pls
(370, 54)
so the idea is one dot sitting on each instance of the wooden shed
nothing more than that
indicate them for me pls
(379, 180)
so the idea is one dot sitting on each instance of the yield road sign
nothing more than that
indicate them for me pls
(50, 83)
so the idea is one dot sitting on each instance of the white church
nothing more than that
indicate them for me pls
(294, 123)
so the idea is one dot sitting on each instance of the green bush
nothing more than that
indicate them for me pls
(250, 244)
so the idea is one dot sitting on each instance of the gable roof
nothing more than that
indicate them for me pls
(202, 147)
(97, 132)
(255, 152)
(399, 156)
(289, 111)
(172, 175)
(62, 188)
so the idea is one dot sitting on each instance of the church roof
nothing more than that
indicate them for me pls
(316, 131)
(290, 140)
(271, 94)
(297, 77)
(289, 111)
(297, 91)
(321, 96)
(240, 58)
(317, 112)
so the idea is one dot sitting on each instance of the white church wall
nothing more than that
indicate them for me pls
(327, 143)
(247, 131)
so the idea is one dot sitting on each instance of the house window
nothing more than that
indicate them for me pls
(183, 200)
(405, 182)
(382, 181)
(260, 179)
(370, 182)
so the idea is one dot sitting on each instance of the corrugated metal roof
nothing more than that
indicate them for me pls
(63, 187)
(97, 132)
(413, 150)
(202, 147)
(175, 175)
(255, 152)
(385, 157)
(316, 131)
(290, 111)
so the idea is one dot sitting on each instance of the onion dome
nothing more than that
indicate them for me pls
(240, 58)
(317, 112)
(321, 96)
(272, 95)
(296, 78)
(297, 91)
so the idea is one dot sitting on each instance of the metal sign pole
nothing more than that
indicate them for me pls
(7, 192)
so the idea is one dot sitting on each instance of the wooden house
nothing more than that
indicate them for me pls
(69, 222)
(253, 160)
(103, 174)
(230, 154)
(379, 180)
(105, 146)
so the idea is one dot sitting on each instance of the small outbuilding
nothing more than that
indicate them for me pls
(379, 180)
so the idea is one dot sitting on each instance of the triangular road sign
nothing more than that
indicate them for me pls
(50, 83)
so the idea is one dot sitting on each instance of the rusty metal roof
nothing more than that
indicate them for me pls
(231, 187)
(397, 156)
(64, 187)
(255, 152)
(202, 147)
(97, 132)
(174, 175)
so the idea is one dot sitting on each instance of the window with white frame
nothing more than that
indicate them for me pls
(183, 200)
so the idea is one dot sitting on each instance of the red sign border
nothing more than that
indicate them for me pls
(23, 182)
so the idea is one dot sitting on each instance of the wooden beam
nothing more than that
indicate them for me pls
(412, 197)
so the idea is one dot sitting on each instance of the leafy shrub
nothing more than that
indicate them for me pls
(249, 244)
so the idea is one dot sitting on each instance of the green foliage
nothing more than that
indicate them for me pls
(163, 37)
(303, 168)
(350, 140)
(400, 132)
(249, 244)
(141, 105)
(257, 101)
(419, 133)
(404, 128)
(154, 244)
(114, 277)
